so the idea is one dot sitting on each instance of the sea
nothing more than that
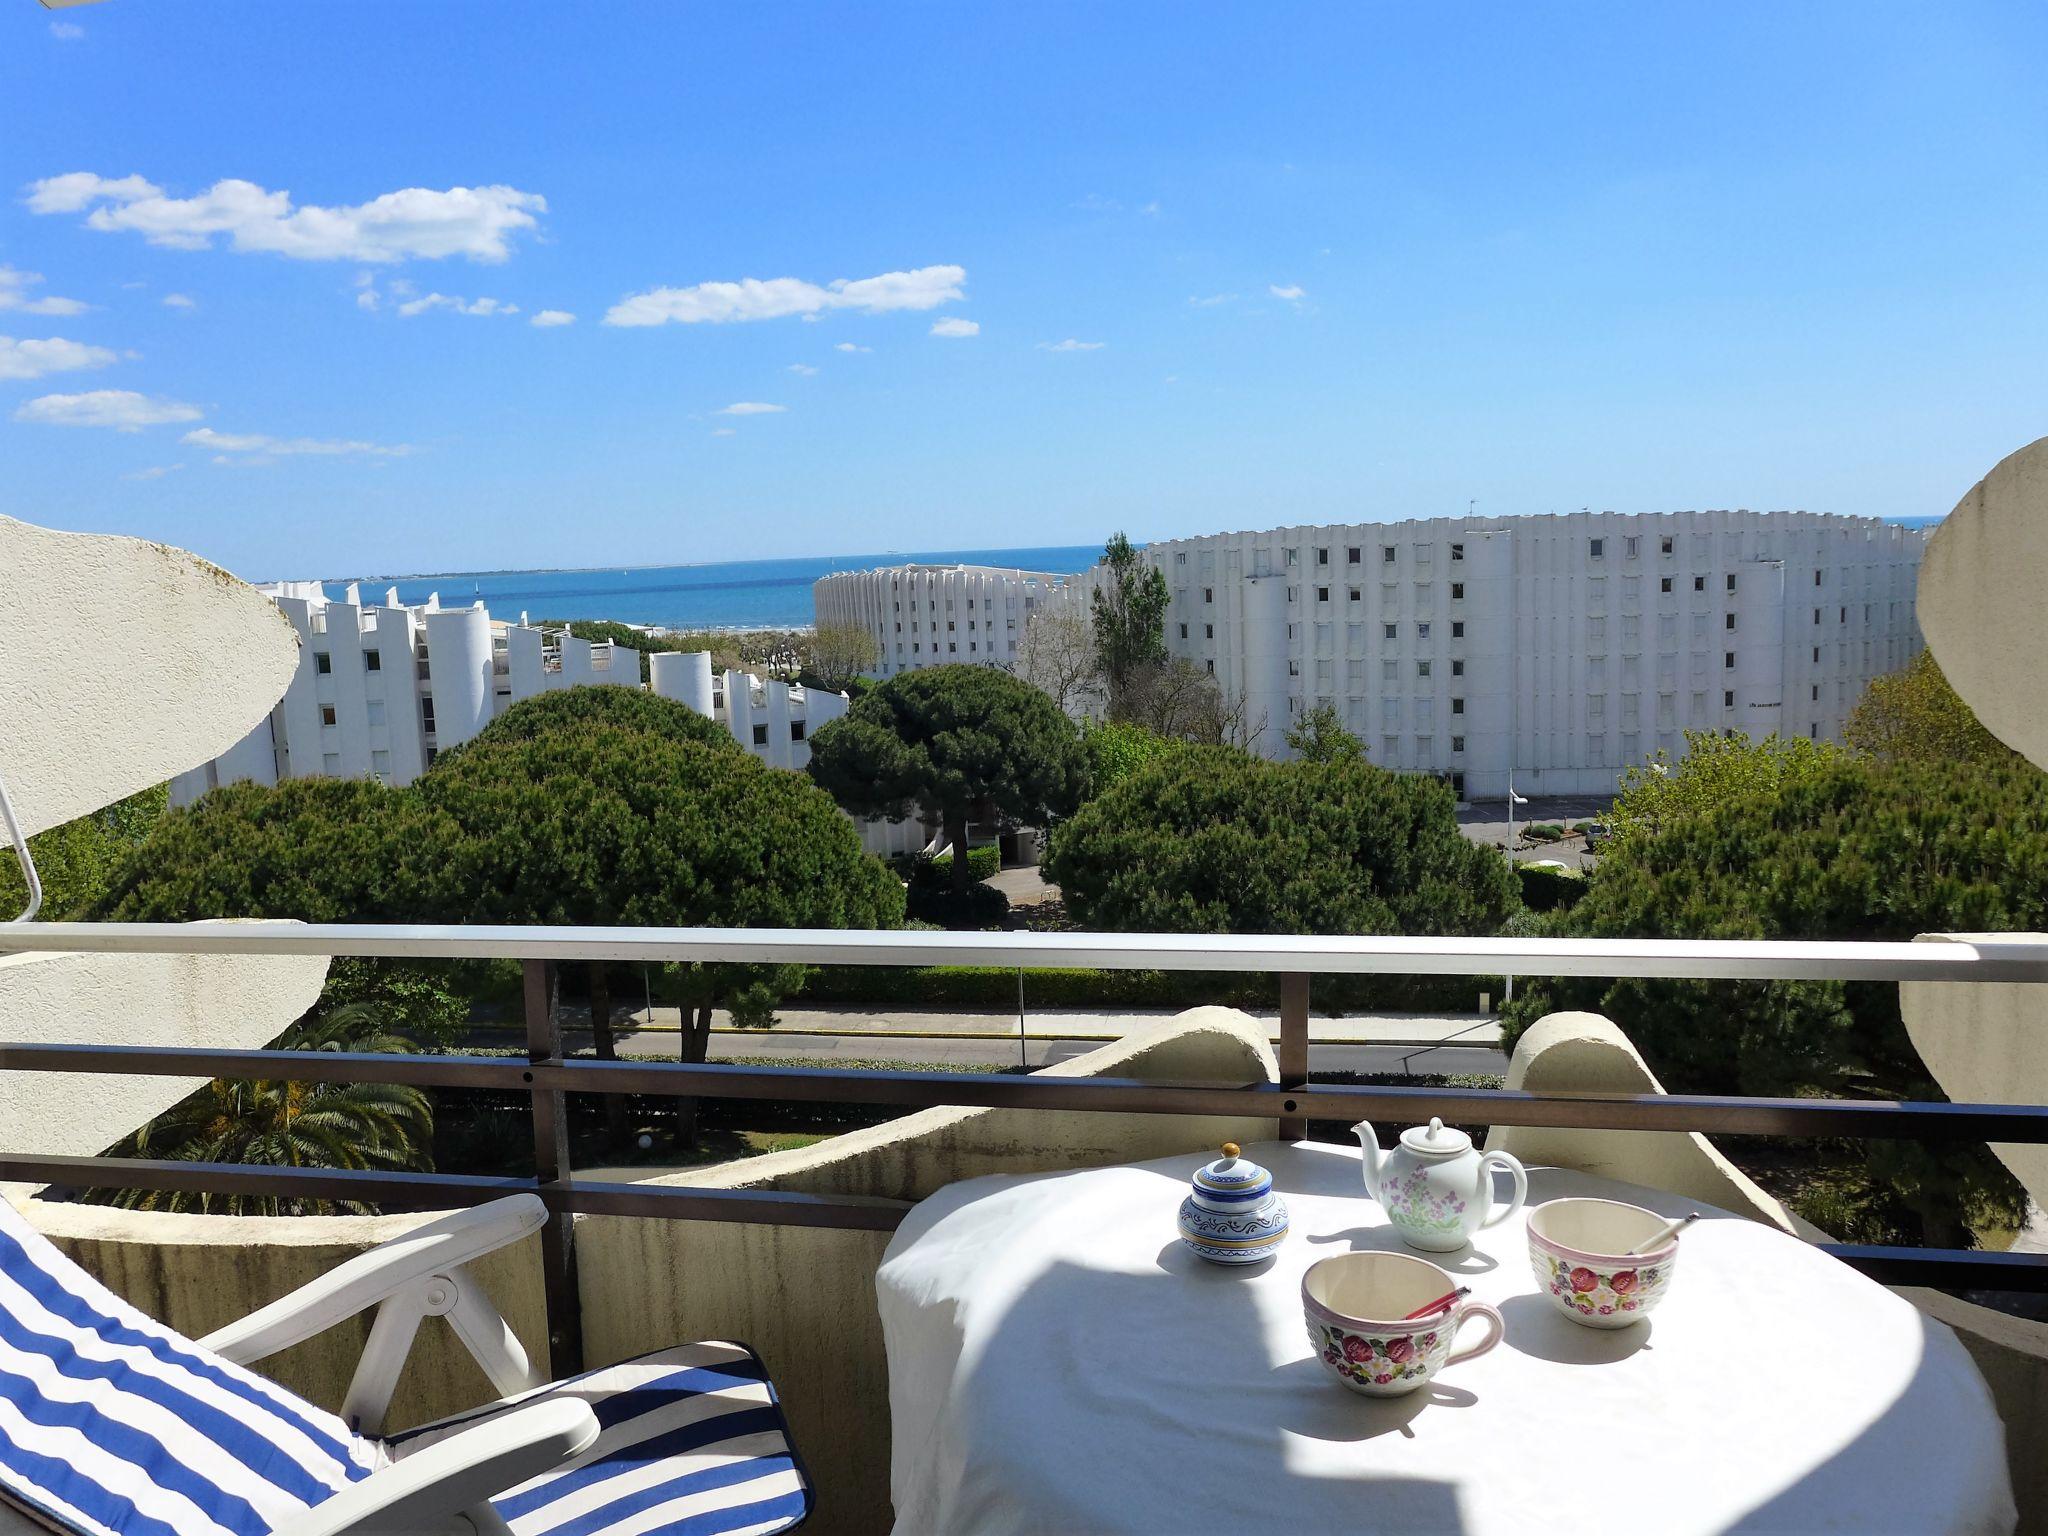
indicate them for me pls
(737, 594)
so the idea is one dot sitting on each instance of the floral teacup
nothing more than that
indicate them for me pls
(1579, 1251)
(1357, 1306)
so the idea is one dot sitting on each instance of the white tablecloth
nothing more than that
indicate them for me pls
(1059, 1363)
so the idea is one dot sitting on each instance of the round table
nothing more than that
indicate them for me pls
(1058, 1362)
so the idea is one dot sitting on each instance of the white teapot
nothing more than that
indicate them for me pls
(1435, 1189)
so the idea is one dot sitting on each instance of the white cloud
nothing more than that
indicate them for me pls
(803, 370)
(66, 31)
(477, 222)
(723, 432)
(955, 327)
(1293, 293)
(1071, 345)
(751, 408)
(14, 287)
(228, 443)
(547, 319)
(1151, 209)
(754, 299)
(33, 358)
(154, 472)
(461, 306)
(849, 346)
(179, 301)
(122, 409)
(1210, 300)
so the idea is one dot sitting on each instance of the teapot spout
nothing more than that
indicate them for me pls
(1369, 1147)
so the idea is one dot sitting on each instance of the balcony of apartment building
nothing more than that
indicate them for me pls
(978, 1314)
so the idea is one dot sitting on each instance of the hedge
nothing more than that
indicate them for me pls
(994, 989)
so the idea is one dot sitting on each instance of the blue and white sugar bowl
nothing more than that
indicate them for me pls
(1232, 1216)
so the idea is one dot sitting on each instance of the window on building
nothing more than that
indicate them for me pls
(1457, 706)
(1386, 554)
(1727, 698)
(1457, 669)
(1842, 616)
(1457, 591)
(1457, 629)
(952, 647)
(761, 733)
(1208, 594)
(380, 764)
(322, 663)
(1208, 631)
(1731, 581)
(1422, 630)
(1727, 659)
(949, 626)
(373, 661)
(1210, 663)
(1389, 631)
(1290, 554)
(1816, 655)
(1355, 594)
(330, 764)
(1293, 667)
(1457, 551)
(1815, 693)
(1699, 583)
(1422, 669)
(1457, 744)
(427, 712)
(1351, 555)
(1727, 621)
(1664, 545)
(374, 709)
(327, 714)
(1183, 631)
(1816, 578)
(1322, 594)
(1598, 548)
(1664, 584)
(1322, 557)
(1629, 547)
(796, 730)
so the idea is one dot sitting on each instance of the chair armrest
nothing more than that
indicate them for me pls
(428, 1489)
(371, 1277)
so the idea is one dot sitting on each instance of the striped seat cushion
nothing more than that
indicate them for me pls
(692, 1444)
(110, 1422)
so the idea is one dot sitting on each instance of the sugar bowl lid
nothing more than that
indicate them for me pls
(1436, 1139)
(1233, 1178)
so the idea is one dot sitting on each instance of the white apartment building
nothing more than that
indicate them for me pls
(929, 615)
(1556, 650)
(382, 688)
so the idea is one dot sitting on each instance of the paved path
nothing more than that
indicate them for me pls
(989, 1050)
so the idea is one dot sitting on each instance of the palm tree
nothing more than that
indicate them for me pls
(289, 1125)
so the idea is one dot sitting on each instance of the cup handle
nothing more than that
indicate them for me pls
(1517, 1172)
(1495, 1327)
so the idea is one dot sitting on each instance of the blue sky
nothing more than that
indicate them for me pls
(1344, 261)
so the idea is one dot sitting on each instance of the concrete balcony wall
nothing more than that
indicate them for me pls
(805, 1297)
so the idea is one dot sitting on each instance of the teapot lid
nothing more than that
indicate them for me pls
(1436, 1139)
(1232, 1177)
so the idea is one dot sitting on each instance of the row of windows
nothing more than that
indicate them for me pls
(373, 661)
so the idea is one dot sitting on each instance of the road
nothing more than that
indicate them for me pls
(1486, 821)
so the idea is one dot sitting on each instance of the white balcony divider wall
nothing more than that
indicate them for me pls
(1565, 648)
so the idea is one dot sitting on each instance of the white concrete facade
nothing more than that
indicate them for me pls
(1564, 648)
(932, 615)
(380, 689)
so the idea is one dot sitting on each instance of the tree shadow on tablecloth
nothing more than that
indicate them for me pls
(1097, 1407)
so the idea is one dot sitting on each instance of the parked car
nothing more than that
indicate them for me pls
(1595, 833)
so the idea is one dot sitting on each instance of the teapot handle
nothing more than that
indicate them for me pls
(1520, 1175)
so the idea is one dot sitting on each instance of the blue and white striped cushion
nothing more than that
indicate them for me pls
(111, 1423)
(692, 1444)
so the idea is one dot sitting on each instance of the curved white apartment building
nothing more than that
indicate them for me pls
(927, 615)
(1556, 649)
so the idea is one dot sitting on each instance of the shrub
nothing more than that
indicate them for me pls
(1543, 831)
(1547, 890)
(981, 863)
(979, 906)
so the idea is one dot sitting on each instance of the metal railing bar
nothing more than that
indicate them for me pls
(437, 1191)
(2025, 1124)
(2003, 959)
(1949, 1269)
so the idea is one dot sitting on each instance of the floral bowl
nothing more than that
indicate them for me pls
(1357, 1307)
(1579, 1251)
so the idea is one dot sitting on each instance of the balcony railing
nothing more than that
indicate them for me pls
(548, 1075)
